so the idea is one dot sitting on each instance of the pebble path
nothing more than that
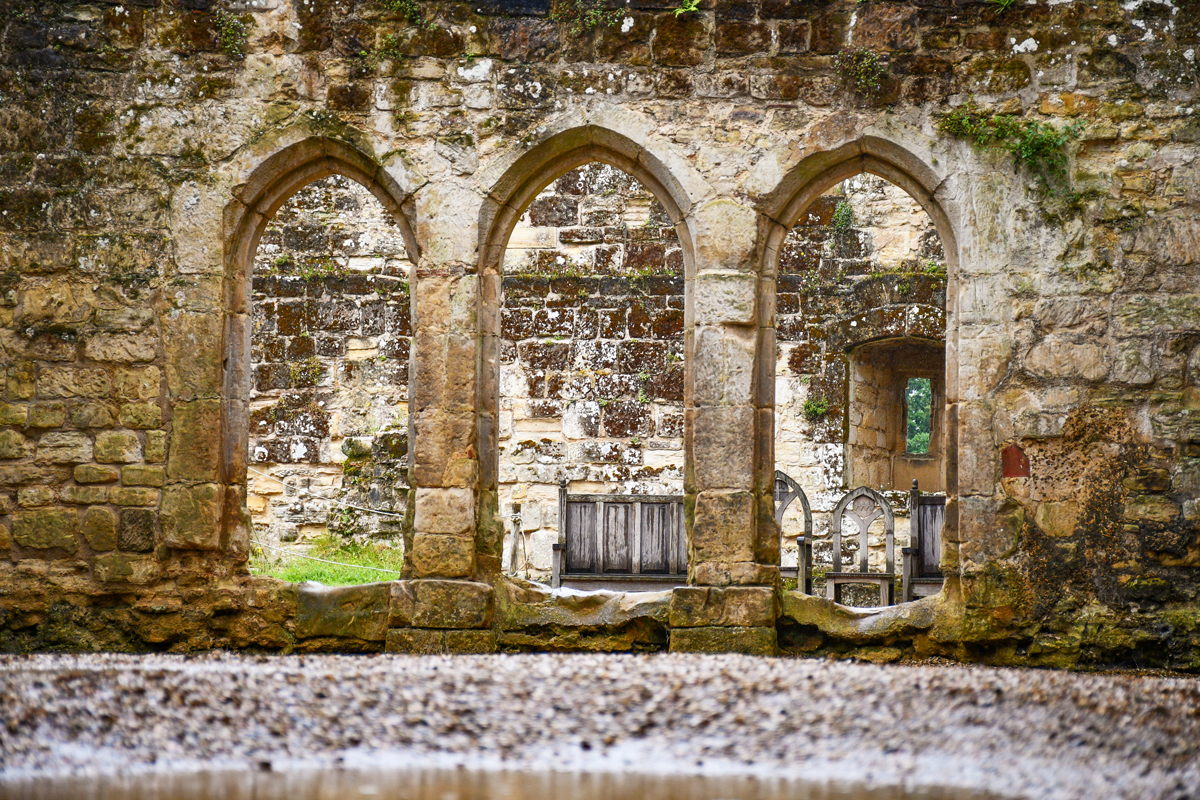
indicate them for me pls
(1023, 733)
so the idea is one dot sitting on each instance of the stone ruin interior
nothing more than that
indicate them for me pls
(280, 272)
(591, 386)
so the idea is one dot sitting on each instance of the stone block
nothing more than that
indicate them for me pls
(92, 473)
(117, 447)
(141, 416)
(721, 241)
(441, 556)
(100, 529)
(1060, 358)
(723, 366)
(5, 536)
(422, 641)
(121, 348)
(15, 445)
(84, 495)
(1057, 520)
(156, 447)
(66, 382)
(92, 414)
(123, 568)
(723, 447)
(137, 475)
(724, 525)
(734, 573)
(726, 298)
(137, 531)
(191, 516)
(65, 448)
(195, 441)
(133, 496)
(441, 604)
(137, 384)
(13, 414)
(1151, 508)
(35, 496)
(192, 345)
(748, 641)
(46, 528)
(444, 511)
(358, 612)
(47, 415)
(735, 606)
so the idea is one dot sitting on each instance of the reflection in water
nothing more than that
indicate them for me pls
(451, 784)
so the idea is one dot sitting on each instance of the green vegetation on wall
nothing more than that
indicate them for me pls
(1040, 146)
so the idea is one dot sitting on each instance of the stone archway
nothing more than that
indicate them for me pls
(508, 198)
(898, 164)
(276, 179)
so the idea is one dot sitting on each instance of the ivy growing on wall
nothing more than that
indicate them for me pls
(1040, 146)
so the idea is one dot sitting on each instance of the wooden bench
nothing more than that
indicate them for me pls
(863, 505)
(786, 492)
(619, 542)
(922, 558)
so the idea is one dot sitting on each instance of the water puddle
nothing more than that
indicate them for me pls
(454, 784)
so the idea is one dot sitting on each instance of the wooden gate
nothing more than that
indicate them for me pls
(623, 542)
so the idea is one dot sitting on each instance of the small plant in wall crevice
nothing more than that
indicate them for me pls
(232, 32)
(585, 16)
(862, 71)
(816, 407)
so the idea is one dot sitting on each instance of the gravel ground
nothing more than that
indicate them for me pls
(1024, 733)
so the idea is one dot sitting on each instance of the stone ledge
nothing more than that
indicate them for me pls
(441, 604)
(748, 641)
(359, 612)
(425, 641)
(735, 606)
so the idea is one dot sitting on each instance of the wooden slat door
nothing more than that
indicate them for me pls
(617, 541)
(932, 511)
(657, 532)
(581, 537)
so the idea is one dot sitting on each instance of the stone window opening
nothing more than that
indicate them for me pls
(328, 397)
(591, 355)
(860, 311)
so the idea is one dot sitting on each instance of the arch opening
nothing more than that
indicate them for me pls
(317, 386)
(861, 274)
(589, 256)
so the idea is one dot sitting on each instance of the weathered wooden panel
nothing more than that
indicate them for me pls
(581, 537)
(657, 532)
(931, 517)
(617, 542)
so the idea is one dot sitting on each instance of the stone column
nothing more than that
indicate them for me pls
(445, 467)
(721, 436)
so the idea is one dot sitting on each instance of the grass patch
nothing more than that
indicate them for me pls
(358, 563)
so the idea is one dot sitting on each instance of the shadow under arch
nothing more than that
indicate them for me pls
(899, 165)
(507, 199)
(271, 184)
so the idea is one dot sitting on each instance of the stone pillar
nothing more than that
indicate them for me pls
(722, 419)
(722, 446)
(445, 467)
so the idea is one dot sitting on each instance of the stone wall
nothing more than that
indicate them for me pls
(141, 158)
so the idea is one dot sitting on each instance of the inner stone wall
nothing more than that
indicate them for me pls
(591, 387)
(330, 346)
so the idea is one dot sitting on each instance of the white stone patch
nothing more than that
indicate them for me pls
(1030, 45)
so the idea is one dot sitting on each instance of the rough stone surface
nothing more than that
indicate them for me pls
(359, 612)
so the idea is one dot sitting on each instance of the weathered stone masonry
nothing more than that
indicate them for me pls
(141, 164)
